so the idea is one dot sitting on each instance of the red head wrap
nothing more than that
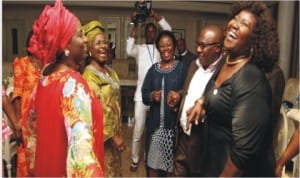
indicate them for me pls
(52, 32)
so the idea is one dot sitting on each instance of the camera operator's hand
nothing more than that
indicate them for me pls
(134, 14)
(135, 27)
(134, 17)
(134, 30)
(156, 16)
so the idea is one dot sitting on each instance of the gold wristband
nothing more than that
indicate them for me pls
(200, 101)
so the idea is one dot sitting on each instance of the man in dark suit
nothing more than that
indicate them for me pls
(188, 141)
(184, 55)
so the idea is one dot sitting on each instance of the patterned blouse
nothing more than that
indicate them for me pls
(107, 89)
(69, 127)
(6, 130)
(26, 76)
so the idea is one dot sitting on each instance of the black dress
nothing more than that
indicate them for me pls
(239, 123)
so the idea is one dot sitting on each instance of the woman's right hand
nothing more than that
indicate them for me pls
(278, 170)
(195, 113)
(156, 95)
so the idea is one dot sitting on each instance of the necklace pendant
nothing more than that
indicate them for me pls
(215, 92)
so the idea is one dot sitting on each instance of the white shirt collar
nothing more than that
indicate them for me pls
(184, 53)
(211, 67)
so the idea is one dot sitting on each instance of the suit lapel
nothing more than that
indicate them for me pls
(192, 69)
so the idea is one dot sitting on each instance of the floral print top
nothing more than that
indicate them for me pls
(107, 89)
(6, 130)
(26, 76)
(69, 121)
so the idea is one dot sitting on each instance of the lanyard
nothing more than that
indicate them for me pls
(151, 56)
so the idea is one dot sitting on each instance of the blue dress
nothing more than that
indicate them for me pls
(161, 118)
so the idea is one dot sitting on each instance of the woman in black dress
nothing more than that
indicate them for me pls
(237, 100)
(163, 78)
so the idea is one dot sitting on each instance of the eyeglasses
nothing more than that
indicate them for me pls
(204, 45)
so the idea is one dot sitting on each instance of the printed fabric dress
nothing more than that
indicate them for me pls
(6, 130)
(26, 76)
(69, 127)
(161, 119)
(107, 89)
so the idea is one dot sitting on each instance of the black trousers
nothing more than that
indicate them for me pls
(188, 152)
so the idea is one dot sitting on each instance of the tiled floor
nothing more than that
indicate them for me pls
(126, 155)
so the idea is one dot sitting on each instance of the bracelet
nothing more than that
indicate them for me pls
(200, 101)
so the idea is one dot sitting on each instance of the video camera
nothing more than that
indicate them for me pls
(143, 9)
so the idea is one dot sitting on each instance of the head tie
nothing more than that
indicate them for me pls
(52, 32)
(93, 28)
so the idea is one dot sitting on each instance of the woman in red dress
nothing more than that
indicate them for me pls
(69, 123)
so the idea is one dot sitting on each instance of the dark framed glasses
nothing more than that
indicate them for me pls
(204, 45)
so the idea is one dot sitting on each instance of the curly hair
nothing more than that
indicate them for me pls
(265, 40)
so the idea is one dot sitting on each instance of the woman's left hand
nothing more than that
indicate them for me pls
(119, 143)
(173, 99)
(195, 113)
